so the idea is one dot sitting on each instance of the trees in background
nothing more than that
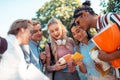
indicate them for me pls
(61, 9)
(110, 6)
(64, 9)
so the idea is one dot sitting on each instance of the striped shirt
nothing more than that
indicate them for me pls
(105, 19)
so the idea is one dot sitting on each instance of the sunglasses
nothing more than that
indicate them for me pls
(35, 23)
(77, 23)
(77, 15)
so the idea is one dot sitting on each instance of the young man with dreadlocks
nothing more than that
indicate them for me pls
(85, 18)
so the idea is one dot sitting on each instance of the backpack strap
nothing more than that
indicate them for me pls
(52, 61)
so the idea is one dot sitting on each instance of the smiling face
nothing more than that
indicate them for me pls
(36, 33)
(78, 33)
(55, 31)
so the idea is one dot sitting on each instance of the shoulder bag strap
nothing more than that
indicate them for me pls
(51, 55)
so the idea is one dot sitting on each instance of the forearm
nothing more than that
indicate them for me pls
(117, 55)
(82, 68)
(48, 65)
(109, 57)
(51, 68)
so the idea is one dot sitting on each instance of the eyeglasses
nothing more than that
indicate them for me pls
(35, 23)
(77, 15)
(35, 31)
(77, 23)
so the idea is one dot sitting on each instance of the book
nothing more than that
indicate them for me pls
(108, 40)
(65, 59)
(77, 56)
(105, 66)
(70, 57)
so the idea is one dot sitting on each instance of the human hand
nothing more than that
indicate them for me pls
(78, 61)
(98, 66)
(43, 57)
(102, 55)
(77, 58)
(59, 66)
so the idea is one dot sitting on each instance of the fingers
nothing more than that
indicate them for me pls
(59, 66)
(42, 56)
(78, 62)
(99, 66)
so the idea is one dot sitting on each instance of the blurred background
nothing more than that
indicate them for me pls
(43, 10)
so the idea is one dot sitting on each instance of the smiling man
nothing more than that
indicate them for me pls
(34, 45)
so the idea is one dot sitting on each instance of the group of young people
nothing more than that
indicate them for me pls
(84, 19)
(23, 58)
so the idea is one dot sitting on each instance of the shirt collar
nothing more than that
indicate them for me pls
(33, 42)
(82, 44)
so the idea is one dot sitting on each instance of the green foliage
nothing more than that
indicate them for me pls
(42, 43)
(93, 31)
(61, 9)
(111, 6)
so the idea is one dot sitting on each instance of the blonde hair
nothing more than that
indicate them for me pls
(64, 36)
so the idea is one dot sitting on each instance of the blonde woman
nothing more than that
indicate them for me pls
(60, 46)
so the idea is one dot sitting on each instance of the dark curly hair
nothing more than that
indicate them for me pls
(85, 7)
